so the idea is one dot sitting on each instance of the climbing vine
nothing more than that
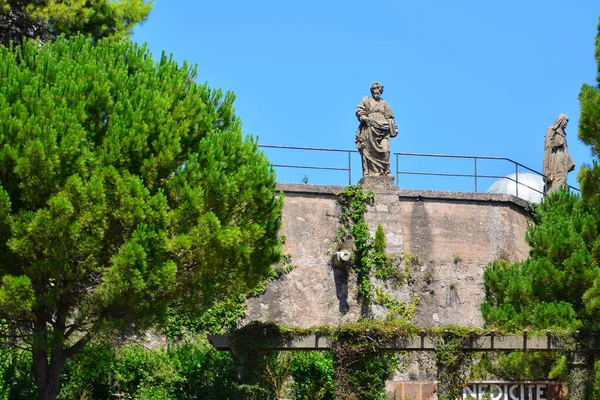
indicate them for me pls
(371, 258)
(452, 363)
(397, 310)
(360, 369)
(354, 203)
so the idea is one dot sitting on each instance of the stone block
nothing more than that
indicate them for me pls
(393, 390)
(377, 183)
(412, 390)
(428, 391)
(382, 208)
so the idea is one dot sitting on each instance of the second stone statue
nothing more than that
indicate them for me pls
(557, 161)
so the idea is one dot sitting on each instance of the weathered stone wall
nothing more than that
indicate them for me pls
(310, 294)
(454, 234)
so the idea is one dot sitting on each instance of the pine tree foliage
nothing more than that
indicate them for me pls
(559, 284)
(589, 133)
(554, 287)
(46, 19)
(125, 188)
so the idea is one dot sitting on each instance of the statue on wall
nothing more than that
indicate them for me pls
(376, 127)
(557, 161)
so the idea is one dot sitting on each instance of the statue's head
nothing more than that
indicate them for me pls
(561, 122)
(376, 90)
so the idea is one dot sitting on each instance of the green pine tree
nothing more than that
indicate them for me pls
(558, 286)
(589, 133)
(549, 289)
(46, 19)
(125, 189)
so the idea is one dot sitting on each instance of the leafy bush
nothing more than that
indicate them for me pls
(207, 373)
(313, 376)
(16, 375)
(100, 371)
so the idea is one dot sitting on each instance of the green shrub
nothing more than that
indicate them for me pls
(207, 373)
(88, 374)
(138, 369)
(16, 375)
(189, 371)
(313, 376)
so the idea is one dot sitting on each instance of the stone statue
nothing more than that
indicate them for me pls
(376, 127)
(557, 161)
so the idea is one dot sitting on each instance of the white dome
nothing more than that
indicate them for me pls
(508, 185)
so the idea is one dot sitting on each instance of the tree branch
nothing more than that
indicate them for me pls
(69, 352)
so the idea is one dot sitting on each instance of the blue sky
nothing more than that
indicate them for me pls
(462, 77)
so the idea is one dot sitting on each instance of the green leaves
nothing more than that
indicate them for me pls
(354, 203)
(558, 286)
(554, 287)
(313, 375)
(16, 296)
(589, 133)
(48, 19)
(125, 189)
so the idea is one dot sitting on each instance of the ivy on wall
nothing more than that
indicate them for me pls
(371, 259)
(354, 203)
(452, 363)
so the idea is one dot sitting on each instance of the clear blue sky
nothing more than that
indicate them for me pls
(462, 77)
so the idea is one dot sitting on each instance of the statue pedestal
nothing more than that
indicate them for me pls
(377, 183)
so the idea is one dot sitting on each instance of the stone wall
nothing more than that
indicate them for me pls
(454, 235)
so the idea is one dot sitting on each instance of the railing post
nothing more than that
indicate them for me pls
(397, 174)
(349, 168)
(517, 179)
(475, 159)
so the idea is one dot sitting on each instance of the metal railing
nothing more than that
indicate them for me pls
(349, 168)
(397, 172)
(474, 175)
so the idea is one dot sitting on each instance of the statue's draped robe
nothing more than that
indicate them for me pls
(557, 161)
(373, 140)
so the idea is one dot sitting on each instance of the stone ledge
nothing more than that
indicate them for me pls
(468, 196)
(404, 194)
(332, 190)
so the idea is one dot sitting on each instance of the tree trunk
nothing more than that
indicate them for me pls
(47, 372)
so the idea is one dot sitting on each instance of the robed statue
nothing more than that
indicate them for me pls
(376, 127)
(557, 161)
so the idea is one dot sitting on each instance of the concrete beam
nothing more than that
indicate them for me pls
(491, 342)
